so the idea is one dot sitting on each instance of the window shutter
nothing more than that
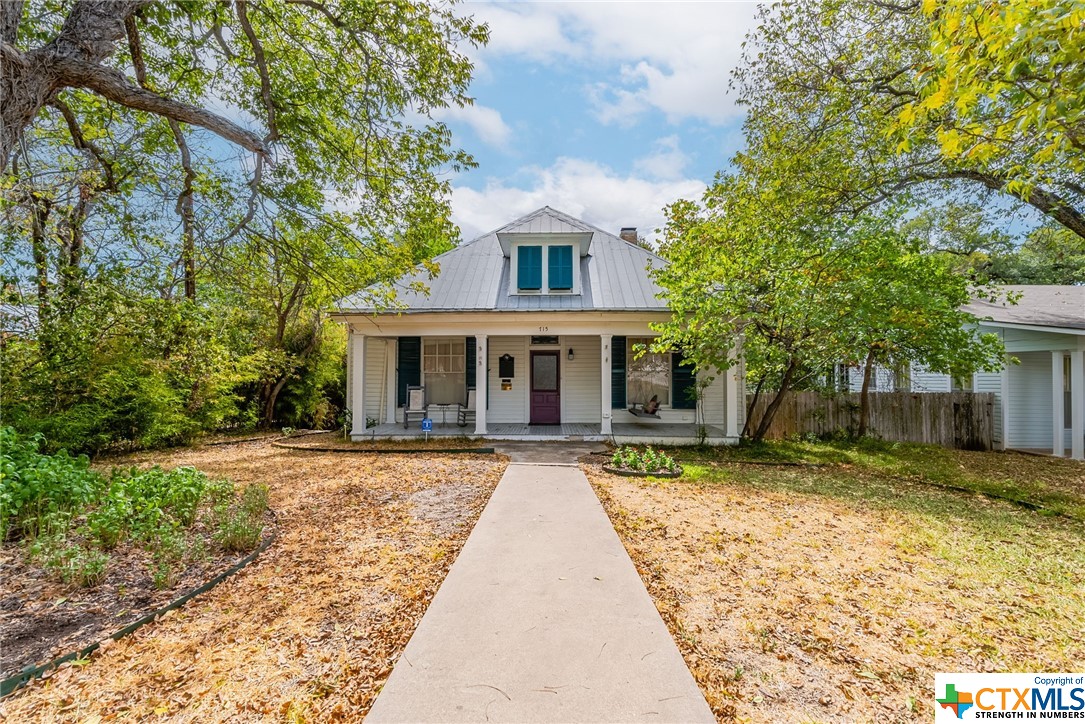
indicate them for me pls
(617, 372)
(469, 363)
(560, 260)
(529, 267)
(408, 366)
(683, 384)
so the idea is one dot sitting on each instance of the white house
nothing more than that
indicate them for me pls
(542, 319)
(1040, 399)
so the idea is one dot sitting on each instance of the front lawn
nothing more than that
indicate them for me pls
(834, 590)
(310, 630)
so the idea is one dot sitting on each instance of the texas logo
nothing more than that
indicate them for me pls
(957, 701)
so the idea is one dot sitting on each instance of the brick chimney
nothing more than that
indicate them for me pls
(629, 233)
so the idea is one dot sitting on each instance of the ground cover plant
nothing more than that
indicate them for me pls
(67, 529)
(648, 460)
(809, 581)
(311, 629)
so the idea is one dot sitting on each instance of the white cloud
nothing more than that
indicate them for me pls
(666, 162)
(486, 122)
(585, 189)
(674, 56)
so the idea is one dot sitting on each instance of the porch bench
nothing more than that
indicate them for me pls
(647, 409)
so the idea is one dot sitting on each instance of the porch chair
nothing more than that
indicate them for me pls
(648, 409)
(416, 404)
(468, 410)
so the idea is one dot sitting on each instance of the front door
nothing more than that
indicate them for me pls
(545, 389)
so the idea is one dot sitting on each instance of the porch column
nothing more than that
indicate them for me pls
(482, 355)
(390, 345)
(606, 426)
(357, 384)
(734, 388)
(1077, 404)
(1058, 415)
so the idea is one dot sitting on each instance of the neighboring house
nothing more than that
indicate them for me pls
(542, 319)
(1040, 402)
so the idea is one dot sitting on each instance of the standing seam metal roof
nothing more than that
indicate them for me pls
(475, 276)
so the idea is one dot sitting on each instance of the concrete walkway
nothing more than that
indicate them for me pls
(542, 618)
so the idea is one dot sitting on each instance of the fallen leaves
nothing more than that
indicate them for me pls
(313, 627)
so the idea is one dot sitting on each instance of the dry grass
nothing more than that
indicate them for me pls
(310, 631)
(835, 594)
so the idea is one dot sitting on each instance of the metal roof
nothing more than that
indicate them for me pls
(1040, 306)
(475, 276)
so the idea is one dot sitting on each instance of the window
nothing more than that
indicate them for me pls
(529, 268)
(647, 375)
(560, 262)
(443, 366)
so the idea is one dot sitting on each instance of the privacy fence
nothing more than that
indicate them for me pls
(962, 420)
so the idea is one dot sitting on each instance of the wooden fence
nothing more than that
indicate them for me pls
(962, 420)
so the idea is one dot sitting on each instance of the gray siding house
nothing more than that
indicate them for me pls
(537, 327)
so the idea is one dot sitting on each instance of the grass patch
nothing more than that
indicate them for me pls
(1057, 486)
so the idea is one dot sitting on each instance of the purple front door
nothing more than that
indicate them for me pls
(545, 389)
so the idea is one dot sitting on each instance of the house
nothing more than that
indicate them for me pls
(544, 319)
(1040, 399)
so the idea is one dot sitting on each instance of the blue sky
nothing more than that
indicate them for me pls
(605, 110)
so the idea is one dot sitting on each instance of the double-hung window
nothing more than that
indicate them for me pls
(648, 375)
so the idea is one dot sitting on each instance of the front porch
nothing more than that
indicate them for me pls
(622, 432)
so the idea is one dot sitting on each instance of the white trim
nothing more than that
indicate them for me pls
(357, 411)
(391, 350)
(1077, 404)
(1005, 395)
(482, 352)
(544, 288)
(1033, 327)
(1058, 432)
(606, 342)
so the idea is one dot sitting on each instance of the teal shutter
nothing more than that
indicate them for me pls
(560, 260)
(408, 366)
(617, 372)
(470, 362)
(683, 384)
(529, 267)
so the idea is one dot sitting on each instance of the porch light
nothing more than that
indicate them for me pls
(570, 354)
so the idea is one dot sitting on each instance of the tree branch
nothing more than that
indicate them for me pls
(261, 67)
(11, 12)
(112, 85)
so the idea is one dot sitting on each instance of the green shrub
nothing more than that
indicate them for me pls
(34, 486)
(649, 460)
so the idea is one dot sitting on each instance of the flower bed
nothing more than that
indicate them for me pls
(631, 461)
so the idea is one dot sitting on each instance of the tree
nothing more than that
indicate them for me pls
(805, 290)
(855, 83)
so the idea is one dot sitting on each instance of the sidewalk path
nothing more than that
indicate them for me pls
(542, 618)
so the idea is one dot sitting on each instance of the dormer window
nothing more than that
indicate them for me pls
(529, 268)
(545, 265)
(560, 271)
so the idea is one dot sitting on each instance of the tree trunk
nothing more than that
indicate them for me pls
(751, 405)
(774, 406)
(272, 396)
(39, 216)
(864, 395)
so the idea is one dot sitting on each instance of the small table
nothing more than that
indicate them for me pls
(443, 409)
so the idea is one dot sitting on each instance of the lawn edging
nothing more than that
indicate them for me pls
(13, 683)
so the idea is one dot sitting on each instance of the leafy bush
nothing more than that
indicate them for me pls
(649, 460)
(35, 487)
(70, 563)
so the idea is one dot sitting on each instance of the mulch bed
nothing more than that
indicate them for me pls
(311, 629)
(41, 618)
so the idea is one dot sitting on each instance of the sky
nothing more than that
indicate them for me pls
(608, 111)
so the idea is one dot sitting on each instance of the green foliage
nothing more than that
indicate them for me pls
(70, 516)
(239, 525)
(37, 490)
(648, 460)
